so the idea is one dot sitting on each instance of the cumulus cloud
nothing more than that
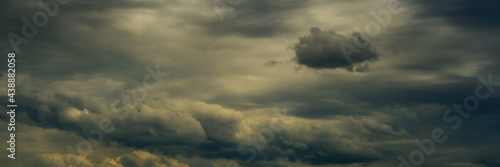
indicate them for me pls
(171, 121)
(326, 49)
(194, 128)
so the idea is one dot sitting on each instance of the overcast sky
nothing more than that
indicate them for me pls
(348, 82)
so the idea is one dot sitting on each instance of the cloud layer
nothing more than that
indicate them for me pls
(228, 77)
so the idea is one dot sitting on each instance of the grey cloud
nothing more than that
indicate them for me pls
(341, 118)
(474, 14)
(271, 62)
(295, 144)
(178, 127)
(326, 49)
(339, 140)
(255, 18)
(145, 159)
(488, 163)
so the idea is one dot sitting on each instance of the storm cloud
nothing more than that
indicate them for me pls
(330, 50)
(228, 76)
(467, 13)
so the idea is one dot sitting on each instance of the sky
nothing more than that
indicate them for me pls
(253, 83)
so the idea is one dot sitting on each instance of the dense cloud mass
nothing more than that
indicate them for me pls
(330, 50)
(257, 18)
(134, 159)
(188, 83)
(479, 14)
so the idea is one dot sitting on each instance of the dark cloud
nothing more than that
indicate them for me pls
(488, 163)
(477, 14)
(216, 99)
(271, 62)
(330, 50)
(209, 131)
(256, 18)
(54, 52)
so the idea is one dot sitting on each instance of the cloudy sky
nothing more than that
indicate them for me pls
(253, 83)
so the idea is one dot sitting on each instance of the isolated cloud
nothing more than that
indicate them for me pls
(330, 50)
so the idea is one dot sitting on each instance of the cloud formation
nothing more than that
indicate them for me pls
(467, 13)
(326, 49)
(134, 159)
(220, 94)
